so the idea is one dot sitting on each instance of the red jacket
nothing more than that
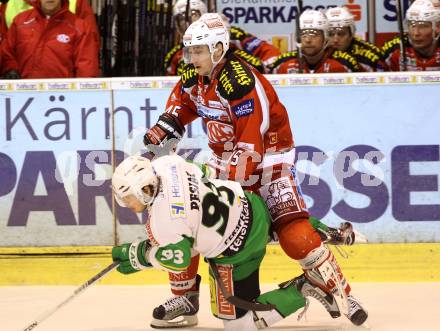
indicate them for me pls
(242, 113)
(83, 10)
(61, 46)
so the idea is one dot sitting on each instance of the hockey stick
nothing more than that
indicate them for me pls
(402, 36)
(232, 299)
(80, 289)
(298, 37)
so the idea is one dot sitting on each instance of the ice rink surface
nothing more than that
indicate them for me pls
(391, 307)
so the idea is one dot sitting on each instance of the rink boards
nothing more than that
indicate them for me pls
(367, 152)
(74, 265)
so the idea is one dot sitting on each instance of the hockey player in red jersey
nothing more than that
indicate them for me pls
(251, 44)
(342, 35)
(257, 52)
(250, 136)
(173, 61)
(422, 48)
(317, 55)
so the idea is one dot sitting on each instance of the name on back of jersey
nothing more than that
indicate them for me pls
(194, 195)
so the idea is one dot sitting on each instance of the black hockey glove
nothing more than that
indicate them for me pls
(162, 138)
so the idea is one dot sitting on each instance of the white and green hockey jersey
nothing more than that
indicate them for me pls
(212, 216)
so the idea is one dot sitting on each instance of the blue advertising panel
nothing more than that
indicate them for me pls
(367, 152)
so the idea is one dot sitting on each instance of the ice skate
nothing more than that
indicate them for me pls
(356, 314)
(344, 235)
(178, 312)
(307, 289)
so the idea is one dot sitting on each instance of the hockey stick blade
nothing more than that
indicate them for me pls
(80, 289)
(236, 301)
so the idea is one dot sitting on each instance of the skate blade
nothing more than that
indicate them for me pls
(359, 238)
(178, 322)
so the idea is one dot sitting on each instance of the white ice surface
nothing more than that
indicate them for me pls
(391, 307)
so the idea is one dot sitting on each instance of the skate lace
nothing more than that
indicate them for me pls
(312, 293)
(303, 314)
(320, 298)
(177, 305)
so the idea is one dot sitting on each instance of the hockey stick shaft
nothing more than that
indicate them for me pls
(298, 37)
(402, 35)
(79, 290)
(232, 299)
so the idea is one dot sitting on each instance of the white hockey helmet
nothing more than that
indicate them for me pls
(424, 11)
(208, 30)
(314, 20)
(340, 17)
(131, 176)
(226, 21)
(179, 7)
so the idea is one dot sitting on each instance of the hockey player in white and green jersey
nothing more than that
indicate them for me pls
(192, 214)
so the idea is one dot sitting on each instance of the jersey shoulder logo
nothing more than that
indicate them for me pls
(189, 76)
(250, 59)
(237, 34)
(346, 59)
(393, 44)
(170, 54)
(283, 58)
(365, 52)
(235, 80)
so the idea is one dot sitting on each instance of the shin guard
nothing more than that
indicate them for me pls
(321, 268)
(185, 281)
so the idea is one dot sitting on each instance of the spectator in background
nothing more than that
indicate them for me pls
(173, 61)
(49, 41)
(256, 52)
(422, 48)
(342, 36)
(259, 48)
(317, 56)
(81, 8)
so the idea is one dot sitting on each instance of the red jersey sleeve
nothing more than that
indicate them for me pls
(180, 105)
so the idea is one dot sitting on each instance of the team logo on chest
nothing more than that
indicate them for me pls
(219, 132)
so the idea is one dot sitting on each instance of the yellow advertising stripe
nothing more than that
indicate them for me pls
(366, 263)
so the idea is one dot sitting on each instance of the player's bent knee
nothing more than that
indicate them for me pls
(297, 238)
